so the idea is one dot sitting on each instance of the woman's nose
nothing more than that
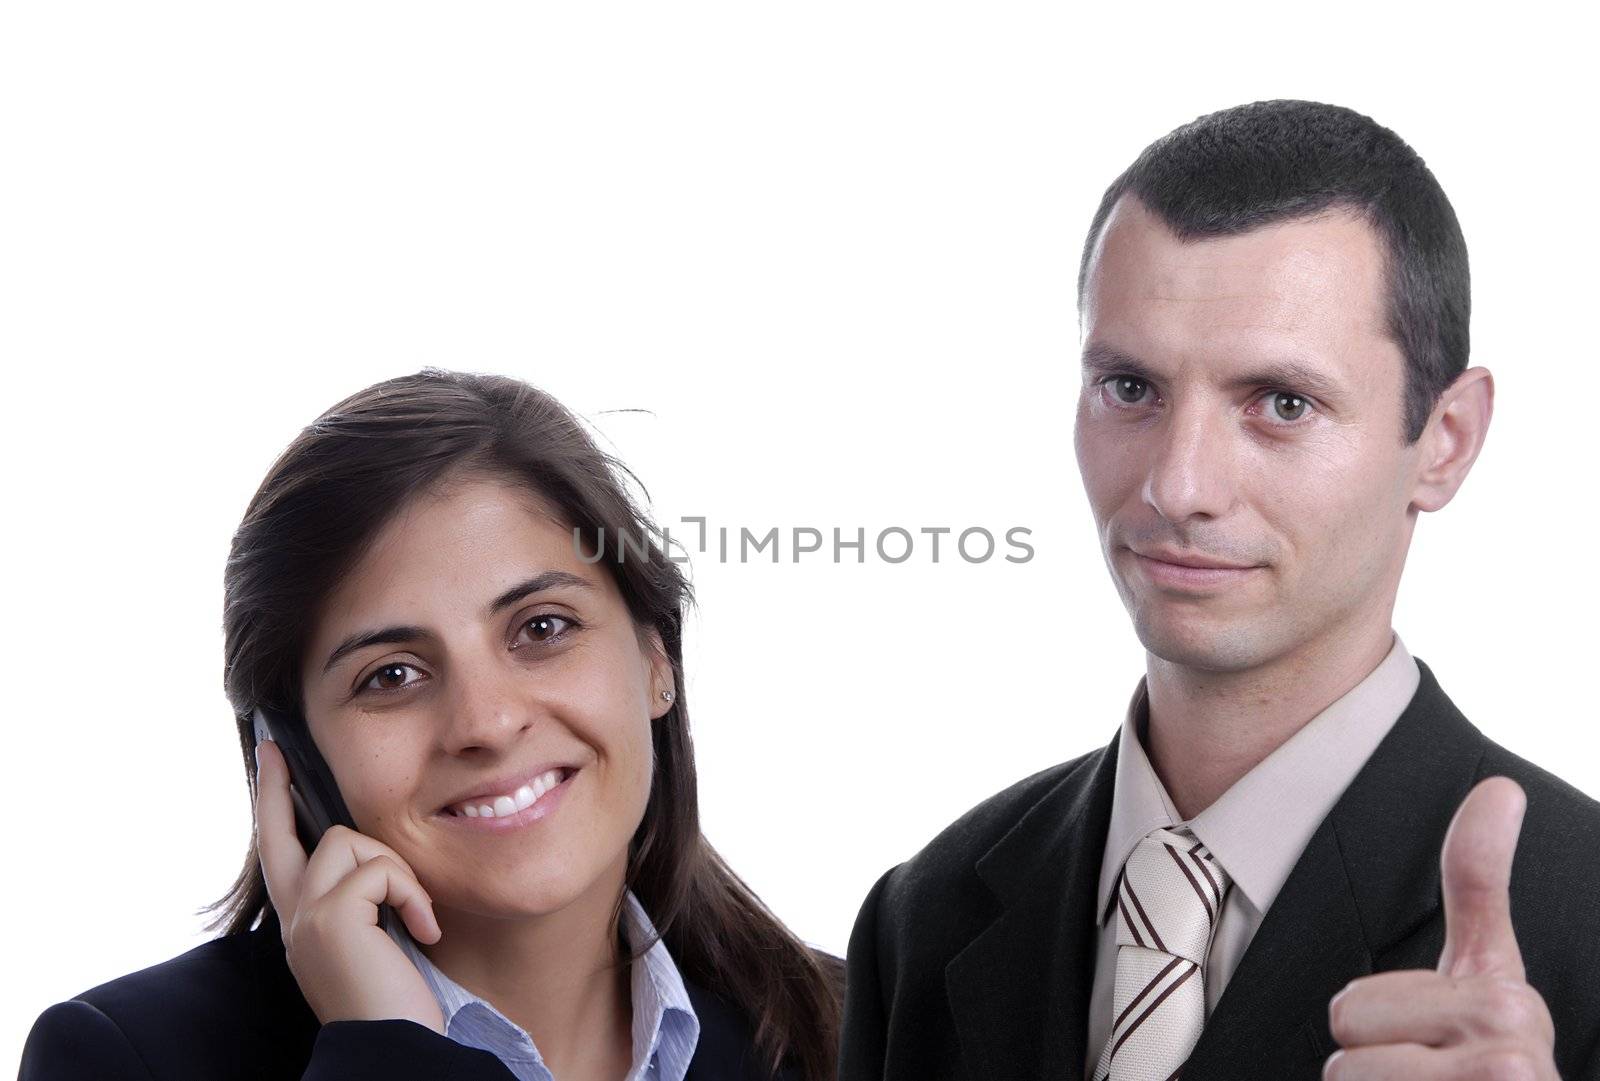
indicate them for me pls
(489, 709)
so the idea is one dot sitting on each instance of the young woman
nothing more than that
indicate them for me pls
(428, 601)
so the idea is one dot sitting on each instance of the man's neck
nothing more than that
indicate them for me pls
(1208, 729)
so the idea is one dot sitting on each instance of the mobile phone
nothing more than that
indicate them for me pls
(317, 803)
(318, 806)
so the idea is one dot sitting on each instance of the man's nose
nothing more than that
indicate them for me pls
(1191, 465)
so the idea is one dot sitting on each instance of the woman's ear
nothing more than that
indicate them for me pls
(663, 691)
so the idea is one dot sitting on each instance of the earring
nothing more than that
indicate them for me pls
(666, 696)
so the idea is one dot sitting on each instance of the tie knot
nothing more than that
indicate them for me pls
(1170, 894)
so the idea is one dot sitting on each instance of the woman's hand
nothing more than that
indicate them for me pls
(347, 966)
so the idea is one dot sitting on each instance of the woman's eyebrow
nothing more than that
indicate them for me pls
(408, 633)
(537, 584)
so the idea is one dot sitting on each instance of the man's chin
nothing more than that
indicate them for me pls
(1212, 648)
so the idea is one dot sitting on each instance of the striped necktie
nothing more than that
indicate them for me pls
(1168, 898)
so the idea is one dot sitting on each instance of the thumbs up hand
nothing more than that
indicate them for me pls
(1475, 1015)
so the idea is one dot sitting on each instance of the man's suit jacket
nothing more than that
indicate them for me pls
(975, 958)
(230, 1010)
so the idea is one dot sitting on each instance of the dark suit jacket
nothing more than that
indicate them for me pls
(975, 958)
(230, 1010)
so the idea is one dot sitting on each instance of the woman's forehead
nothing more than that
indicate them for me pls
(458, 551)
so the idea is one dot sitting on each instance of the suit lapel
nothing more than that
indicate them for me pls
(1019, 991)
(726, 1049)
(285, 1025)
(1367, 880)
(722, 1052)
(1309, 945)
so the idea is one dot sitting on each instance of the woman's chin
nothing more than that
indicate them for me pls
(510, 896)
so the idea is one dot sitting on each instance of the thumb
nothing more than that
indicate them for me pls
(1476, 870)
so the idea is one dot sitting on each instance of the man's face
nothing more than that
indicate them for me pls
(1242, 404)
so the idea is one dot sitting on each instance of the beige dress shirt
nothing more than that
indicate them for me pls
(1256, 829)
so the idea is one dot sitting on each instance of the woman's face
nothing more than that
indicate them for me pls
(504, 661)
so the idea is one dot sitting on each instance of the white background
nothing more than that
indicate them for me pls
(830, 249)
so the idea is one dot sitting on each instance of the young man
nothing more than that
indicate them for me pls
(1246, 883)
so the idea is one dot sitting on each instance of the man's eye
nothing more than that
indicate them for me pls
(1288, 406)
(1128, 389)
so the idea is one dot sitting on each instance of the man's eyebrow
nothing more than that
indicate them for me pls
(1107, 360)
(1284, 374)
(400, 635)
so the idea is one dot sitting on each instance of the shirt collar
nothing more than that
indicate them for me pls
(665, 1026)
(1258, 828)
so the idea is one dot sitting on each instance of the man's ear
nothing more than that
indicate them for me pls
(1453, 437)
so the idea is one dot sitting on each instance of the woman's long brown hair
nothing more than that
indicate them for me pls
(319, 507)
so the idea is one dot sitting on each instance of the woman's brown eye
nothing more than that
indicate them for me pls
(377, 680)
(388, 670)
(544, 628)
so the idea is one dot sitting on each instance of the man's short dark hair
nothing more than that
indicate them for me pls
(1244, 167)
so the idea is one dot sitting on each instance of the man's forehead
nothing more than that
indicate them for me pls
(1327, 271)
(1309, 293)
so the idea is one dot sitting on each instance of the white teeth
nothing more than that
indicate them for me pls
(519, 800)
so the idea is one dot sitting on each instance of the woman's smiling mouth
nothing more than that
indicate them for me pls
(529, 801)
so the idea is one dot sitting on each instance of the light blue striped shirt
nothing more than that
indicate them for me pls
(665, 1028)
